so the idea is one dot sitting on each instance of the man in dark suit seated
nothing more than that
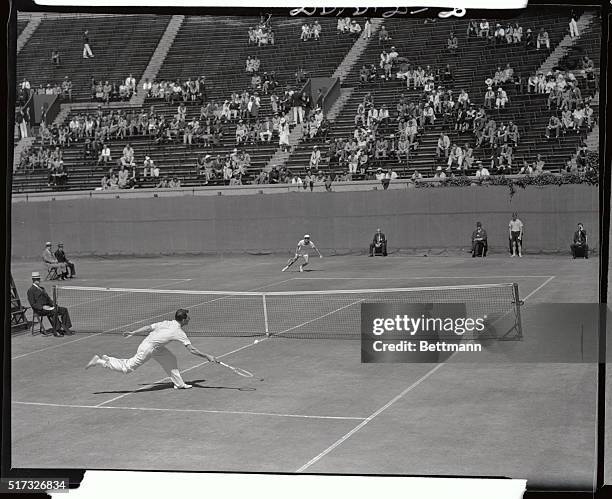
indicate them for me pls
(379, 243)
(479, 241)
(62, 258)
(43, 305)
(580, 247)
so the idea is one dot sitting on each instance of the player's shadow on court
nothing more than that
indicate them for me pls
(155, 387)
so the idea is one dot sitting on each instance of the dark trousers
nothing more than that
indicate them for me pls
(580, 250)
(383, 248)
(516, 244)
(479, 249)
(70, 266)
(62, 314)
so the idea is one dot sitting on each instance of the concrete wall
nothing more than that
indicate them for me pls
(434, 220)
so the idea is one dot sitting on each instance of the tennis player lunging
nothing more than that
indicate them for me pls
(303, 251)
(159, 334)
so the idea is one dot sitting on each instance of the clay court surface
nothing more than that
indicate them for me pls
(319, 410)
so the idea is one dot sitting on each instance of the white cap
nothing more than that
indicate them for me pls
(35, 275)
(47, 243)
(306, 236)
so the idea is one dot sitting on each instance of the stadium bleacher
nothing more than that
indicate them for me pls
(218, 47)
(120, 44)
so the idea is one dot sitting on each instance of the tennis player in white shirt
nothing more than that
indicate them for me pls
(303, 251)
(154, 345)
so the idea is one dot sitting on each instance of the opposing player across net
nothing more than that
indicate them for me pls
(333, 314)
(304, 247)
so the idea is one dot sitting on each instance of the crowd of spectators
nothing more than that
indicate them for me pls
(310, 31)
(262, 33)
(191, 90)
(25, 90)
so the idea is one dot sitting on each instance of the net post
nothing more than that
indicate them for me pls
(55, 324)
(517, 308)
(265, 311)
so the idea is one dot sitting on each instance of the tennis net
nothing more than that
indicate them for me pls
(332, 314)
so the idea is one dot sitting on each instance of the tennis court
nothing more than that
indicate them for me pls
(319, 409)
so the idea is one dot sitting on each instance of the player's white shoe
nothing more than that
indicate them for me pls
(301, 269)
(184, 387)
(93, 362)
(285, 268)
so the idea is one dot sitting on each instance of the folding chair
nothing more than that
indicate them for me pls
(38, 320)
(51, 274)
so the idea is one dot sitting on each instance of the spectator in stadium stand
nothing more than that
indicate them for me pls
(316, 30)
(443, 146)
(315, 157)
(587, 68)
(513, 133)
(43, 305)
(571, 166)
(529, 41)
(22, 124)
(481, 172)
(122, 177)
(383, 35)
(328, 183)
(472, 29)
(174, 183)
(104, 183)
(554, 124)
(367, 29)
(452, 43)
(416, 175)
(87, 53)
(580, 244)
(262, 178)
(162, 184)
(479, 241)
(105, 155)
(539, 165)
(573, 25)
(147, 86)
(130, 83)
(517, 33)
(149, 167)
(526, 168)
(499, 34)
(309, 180)
(543, 39)
(300, 76)
(455, 158)
(489, 98)
(501, 99)
(484, 29)
(55, 58)
(355, 29)
(61, 257)
(66, 88)
(519, 83)
(274, 175)
(439, 175)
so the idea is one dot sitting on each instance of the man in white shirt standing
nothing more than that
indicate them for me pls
(515, 228)
(154, 345)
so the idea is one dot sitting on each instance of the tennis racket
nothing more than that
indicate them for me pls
(290, 262)
(236, 370)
